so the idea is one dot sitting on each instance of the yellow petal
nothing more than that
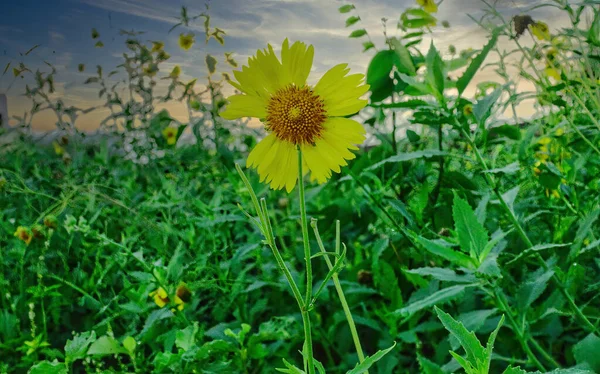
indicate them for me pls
(296, 63)
(245, 106)
(340, 93)
(261, 152)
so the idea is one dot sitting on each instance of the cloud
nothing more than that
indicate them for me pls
(56, 37)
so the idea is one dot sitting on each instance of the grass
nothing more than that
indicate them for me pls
(459, 226)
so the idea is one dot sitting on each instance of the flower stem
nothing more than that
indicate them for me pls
(305, 313)
(338, 288)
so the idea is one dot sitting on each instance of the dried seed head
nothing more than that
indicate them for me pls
(521, 23)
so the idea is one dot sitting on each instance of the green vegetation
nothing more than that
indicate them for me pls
(123, 252)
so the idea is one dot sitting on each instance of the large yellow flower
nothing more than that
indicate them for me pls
(297, 115)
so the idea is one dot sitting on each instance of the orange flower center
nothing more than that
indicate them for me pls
(296, 115)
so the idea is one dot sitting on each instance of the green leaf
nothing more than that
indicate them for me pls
(483, 108)
(513, 370)
(587, 351)
(290, 369)
(129, 344)
(409, 156)
(364, 366)
(352, 20)
(402, 58)
(429, 367)
(46, 367)
(508, 169)
(468, 340)
(380, 67)
(186, 339)
(468, 75)
(412, 136)
(358, 33)
(211, 63)
(75, 349)
(472, 236)
(490, 346)
(435, 72)
(443, 274)
(105, 345)
(346, 8)
(368, 45)
(408, 104)
(532, 289)
(446, 252)
(442, 296)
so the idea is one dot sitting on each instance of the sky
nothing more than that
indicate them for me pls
(62, 29)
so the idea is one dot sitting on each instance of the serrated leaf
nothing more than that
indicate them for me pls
(468, 75)
(403, 59)
(508, 169)
(514, 370)
(446, 252)
(435, 72)
(483, 107)
(490, 346)
(532, 289)
(472, 236)
(364, 366)
(473, 348)
(75, 349)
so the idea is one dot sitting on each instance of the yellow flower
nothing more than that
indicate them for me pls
(297, 115)
(428, 5)
(175, 72)
(24, 233)
(552, 72)
(161, 298)
(545, 140)
(58, 149)
(157, 46)
(186, 41)
(151, 70)
(170, 133)
(540, 30)
(468, 110)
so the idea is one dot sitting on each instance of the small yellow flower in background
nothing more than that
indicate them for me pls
(468, 110)
(161, 298)
(297, 115)
(554, 194)
(157, 46)
(552, 72)
(559, 132)
(428, 5)
(175, 72)
(545, 140)
(151, 70)
(186, 41)
(24, 234)
(163, 56)
(50, 221)
(551, 54)
(540, 30)
(170, 133)
(58, 149)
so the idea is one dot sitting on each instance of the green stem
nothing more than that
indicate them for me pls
(307, 259)
(340, 291)
(587, 325)
(499, 296)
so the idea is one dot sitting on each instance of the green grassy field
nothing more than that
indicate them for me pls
(462, 237)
